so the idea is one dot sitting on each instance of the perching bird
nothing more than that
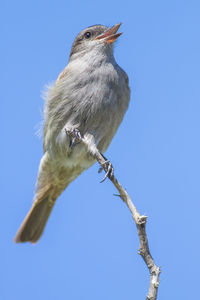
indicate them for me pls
(89, 99)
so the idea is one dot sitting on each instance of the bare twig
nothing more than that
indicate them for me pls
(140, 221)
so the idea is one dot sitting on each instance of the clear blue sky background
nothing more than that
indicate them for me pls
(89, 248)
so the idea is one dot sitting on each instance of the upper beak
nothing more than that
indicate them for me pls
(110, 35)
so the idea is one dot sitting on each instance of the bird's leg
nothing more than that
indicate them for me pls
(109, 169)
(75, 136)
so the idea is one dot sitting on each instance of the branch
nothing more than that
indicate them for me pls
(140, 221)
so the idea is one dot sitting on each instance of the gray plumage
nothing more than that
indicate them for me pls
(90, 95)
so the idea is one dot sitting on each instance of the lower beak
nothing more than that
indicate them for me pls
(110, 35)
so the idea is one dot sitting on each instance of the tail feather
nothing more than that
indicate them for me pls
(34, 223)
(52, 180)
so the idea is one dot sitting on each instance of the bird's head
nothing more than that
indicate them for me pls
(97, 38)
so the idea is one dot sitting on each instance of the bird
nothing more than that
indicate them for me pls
(89, 99)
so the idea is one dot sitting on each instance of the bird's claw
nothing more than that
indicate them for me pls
(109, 170)
(75, 136)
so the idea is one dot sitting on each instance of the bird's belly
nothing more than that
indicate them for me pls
(100, 126)
(99, 132)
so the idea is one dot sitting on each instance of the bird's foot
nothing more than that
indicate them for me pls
(109, 170)
(75, 136)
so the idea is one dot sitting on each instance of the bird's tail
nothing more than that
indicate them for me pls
(34, 223)
(50, 184)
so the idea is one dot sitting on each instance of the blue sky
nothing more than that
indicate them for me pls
(89, 248)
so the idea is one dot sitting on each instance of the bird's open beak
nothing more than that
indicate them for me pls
(110, 35)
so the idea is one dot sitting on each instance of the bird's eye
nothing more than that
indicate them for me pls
(87, 35)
